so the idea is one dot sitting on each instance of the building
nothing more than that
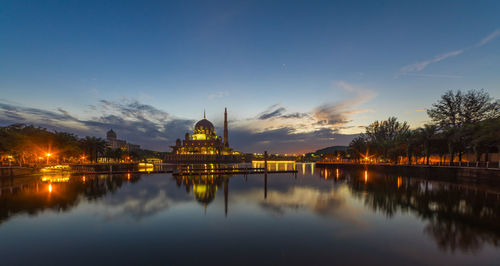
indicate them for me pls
(203, 145)
(114, 143)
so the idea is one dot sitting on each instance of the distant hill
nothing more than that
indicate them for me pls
(329, 150)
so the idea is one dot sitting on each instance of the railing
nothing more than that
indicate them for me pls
(487, 165)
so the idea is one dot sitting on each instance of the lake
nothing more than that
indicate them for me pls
(319, 216)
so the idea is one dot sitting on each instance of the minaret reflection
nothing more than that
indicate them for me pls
(226, 192)
(265, 185)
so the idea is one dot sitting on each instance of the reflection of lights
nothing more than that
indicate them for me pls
(50, 188)
(128, 176)
(326, 173)
(56, 179)
(366, 176)
(303, 168)
(55, 168)
(400, 181)
(83, 179)
(337, 173)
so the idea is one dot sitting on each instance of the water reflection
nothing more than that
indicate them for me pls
(457, 217)
(57, 192)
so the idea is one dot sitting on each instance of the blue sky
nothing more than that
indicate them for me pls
(323, 69)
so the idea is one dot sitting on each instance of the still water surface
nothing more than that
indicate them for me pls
(316, 217)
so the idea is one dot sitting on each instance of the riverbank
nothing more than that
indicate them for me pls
(448, 173)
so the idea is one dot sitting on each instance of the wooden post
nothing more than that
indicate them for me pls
(265, 162)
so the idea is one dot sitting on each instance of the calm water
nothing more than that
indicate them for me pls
(317, 217)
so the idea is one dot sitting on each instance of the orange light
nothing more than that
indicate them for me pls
(366, 176)
(49, 154)
(400, 181)
(83, 179)
(50, 188)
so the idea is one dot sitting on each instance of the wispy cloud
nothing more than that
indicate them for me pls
(421, 65)
(488, 38)
(218, 94)
(322, 124)
(431, 75)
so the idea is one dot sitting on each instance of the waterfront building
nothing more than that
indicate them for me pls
(113, 142)
(203, 145)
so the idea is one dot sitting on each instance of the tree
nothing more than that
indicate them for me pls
(427, 134)
(455, 112)
(93, 147)
(383, 136)
(357, 147)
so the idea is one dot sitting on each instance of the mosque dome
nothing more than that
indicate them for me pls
(204, 125)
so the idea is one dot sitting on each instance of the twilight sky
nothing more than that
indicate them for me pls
(295, 75)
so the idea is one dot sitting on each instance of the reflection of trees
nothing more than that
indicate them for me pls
(34, 197)
(459, 216)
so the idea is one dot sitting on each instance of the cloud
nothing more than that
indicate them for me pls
(420, 110)
(430, 75)
(488, 38)
(337, 114)
(419, 66)
(275, 129)
(218, 94)
(273, 111)
(133, 121)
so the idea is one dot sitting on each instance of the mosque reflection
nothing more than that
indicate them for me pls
(458, 217)
(204, 187)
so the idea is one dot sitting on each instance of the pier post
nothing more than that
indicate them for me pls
(265, 162)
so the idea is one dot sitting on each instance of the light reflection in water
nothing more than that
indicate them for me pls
(443, 210)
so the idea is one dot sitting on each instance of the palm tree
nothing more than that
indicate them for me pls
(427, 134)
(93, 147)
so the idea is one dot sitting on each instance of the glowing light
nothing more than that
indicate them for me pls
(337, 173)
(83, 179)
(366, 176)
(400, 181)
(326, 173)
(50, 188)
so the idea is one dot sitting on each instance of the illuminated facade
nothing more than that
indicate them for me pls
(203, 140)
(114, 143)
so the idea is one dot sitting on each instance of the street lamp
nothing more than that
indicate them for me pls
(48, 156)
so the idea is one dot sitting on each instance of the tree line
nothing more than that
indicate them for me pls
(27, 144)
(461, 123)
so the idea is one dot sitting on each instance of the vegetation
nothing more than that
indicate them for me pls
(28, 145)
(462, 123)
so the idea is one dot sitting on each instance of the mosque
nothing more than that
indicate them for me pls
(203, 145)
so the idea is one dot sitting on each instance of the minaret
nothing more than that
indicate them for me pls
(226, 141)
